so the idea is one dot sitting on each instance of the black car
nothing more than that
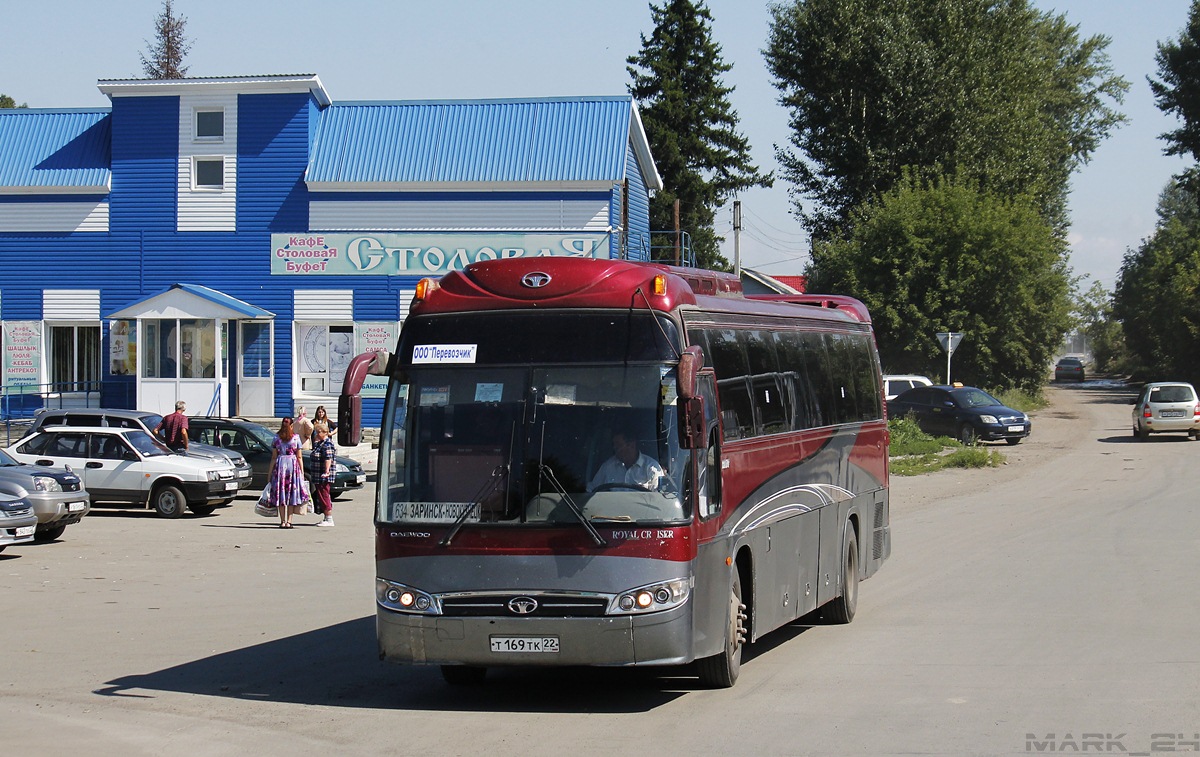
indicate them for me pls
(963, 412)
(253, 441)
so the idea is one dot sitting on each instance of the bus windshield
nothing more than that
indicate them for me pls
(532, 446)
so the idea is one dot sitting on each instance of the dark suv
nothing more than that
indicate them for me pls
(253, 441)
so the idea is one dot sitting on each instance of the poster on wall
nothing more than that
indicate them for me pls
(122, 348)
(22, 353)
(375, 337)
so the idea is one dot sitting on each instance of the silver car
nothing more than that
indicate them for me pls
(17, 520)
(57, 495)
(1166, 407)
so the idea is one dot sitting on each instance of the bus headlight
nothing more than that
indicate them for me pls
(652, 598)
(401, 598)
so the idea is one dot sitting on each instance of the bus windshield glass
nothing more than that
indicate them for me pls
(532, 446)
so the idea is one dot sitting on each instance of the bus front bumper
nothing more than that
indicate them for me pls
(662, 638)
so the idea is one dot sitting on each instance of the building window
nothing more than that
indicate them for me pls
(323, 354)
(184, 348)
(210, 125)
(75, 358)
(209, 173)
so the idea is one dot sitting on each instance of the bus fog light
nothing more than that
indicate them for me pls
(407, 599)
(644, 599)
(626, 602)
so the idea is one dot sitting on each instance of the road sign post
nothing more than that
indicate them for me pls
(949, 340)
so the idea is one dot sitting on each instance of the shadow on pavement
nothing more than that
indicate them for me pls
(336, 667)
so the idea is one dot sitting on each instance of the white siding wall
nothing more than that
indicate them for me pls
(536, 215)
(323, 305)
(54, 216)
(207, 209)
(71, 304)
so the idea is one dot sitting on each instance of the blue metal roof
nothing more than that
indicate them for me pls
(571, 140)
(55, 151)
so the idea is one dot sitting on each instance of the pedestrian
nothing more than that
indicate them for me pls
(323, 473)
(323, 418)
(174, 428)
(286, 491)
(304, 426)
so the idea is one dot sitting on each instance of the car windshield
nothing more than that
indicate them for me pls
(971, 397)
(146, 444)
(260, 432)
(1070, 362)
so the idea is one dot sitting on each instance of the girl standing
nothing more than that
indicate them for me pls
(286, 489)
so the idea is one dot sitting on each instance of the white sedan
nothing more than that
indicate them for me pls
(131, 467)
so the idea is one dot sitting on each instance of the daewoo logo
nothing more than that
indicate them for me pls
(522, 605)
(535, 280)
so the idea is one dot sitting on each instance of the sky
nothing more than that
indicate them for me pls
(54, 52)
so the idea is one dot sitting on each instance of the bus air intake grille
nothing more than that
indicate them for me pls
(547, 606)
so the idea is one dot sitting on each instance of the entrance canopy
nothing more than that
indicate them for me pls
(192, 301)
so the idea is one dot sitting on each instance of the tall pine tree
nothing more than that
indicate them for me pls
(163, 58)
(691, 126)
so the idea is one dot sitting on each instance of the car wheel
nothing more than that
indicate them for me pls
(335, 493)
(1013, 440)
(1143, 433)
(203, 509)
(966, 435)
(48, 534)
(168, 501)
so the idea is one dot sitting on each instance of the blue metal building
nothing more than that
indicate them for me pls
(234, 241)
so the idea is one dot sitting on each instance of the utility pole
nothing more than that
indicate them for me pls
(737, 233)
(678, 236)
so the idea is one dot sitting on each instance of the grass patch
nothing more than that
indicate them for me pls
(1018, 399)
(913, 452)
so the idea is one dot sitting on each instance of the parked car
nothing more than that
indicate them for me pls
(129, 466)
(253, 441)
(1166, 407)
(57, 496)
(893, 386)
(963, 412)
(17, 521)
(147, 421)
(1069, 369)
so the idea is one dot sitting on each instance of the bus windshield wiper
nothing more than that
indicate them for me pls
(548, 474)
(488, 487)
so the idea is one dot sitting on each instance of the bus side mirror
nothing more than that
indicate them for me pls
(691, 360)
(691, 423)
(349, 428)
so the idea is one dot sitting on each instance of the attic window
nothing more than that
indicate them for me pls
(210, 125)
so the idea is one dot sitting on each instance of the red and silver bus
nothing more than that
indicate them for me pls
(601, 462)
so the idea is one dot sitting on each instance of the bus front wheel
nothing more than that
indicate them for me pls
(721, 670)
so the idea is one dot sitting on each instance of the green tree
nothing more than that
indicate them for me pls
(1177, 91)
(1157, 297)
(8, 102)
(163, 58)
(945, 255)
(991, 90)
(1096, 321)
(691, 126)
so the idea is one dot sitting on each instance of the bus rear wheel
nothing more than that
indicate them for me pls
(721, 670)
(842, 609)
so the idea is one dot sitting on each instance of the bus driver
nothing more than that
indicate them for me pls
(628, 465)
